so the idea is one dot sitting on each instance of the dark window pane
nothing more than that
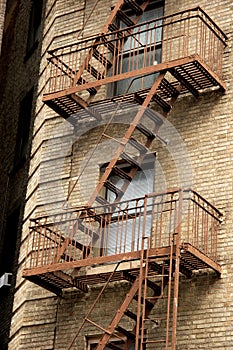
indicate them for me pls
(34, 23)
(23, 128)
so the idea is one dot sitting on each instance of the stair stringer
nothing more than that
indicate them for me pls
(92, 52)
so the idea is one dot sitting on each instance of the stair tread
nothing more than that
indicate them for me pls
(108, 184)
(134, 6)
(113, 346)
(131, 161)
(140, 147)
(169, 88)
(149, 305)
(94, 72)
(102, 59)
(144, 130)
(161, 102)
(114, 28)
(131, 315)
(153, 115)
(124, 331)
(94, 113)
(91, 90)
(109, 44)
(124, 18)
(121, 173)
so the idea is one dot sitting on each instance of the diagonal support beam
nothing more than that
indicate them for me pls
(126, 137)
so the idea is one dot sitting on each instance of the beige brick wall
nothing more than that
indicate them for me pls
(44, 321)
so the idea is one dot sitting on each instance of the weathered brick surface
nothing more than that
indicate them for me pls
(44, 321)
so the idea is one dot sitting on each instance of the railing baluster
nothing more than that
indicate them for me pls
(67, 237)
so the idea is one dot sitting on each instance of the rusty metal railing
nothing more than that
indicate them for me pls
(136, 50)
(107, 230)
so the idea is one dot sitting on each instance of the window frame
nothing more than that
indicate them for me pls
(117, 87)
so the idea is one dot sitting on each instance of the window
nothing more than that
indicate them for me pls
(34, 25)
(23, 131)
(9, 242)
(154, 11)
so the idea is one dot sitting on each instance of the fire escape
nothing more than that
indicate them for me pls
(171, 233)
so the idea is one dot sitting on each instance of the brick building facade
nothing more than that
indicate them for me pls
(49, 164)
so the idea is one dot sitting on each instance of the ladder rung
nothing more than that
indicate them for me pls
(102, 59)
(131, 315)
(142, 149)
(154, 116)
(94, 72)
(121, 173)
(113, 188)
(134, 6)
(145, 131)
(130, 160)
(123, 331)
(124, 18)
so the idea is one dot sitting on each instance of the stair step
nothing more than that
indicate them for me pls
(149, 305)
(124, 18)
(109, 185)
(110, 46)
(154, 116)
(94, 72)
(101, 200)
(82, 228)
(148, 133)
(169, 88)
(141, 148)
(121, 173)
(155, 287)
(113, 346)
(94, 113)
(123, 331)
(134, 6)
(128, 276)
(162, 103)
(131, 161)
(114, 28)
(91, 90)
(102, 59)
(131, 315)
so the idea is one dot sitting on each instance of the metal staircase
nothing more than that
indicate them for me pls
(151, 284)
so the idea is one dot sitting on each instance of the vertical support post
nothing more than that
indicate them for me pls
(177, 268)
(141, 279)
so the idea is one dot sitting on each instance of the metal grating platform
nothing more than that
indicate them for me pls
(191, 259)
(194, 76)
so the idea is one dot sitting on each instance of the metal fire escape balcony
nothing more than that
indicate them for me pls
(187, 45)
(63, 245)
(147, 241)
